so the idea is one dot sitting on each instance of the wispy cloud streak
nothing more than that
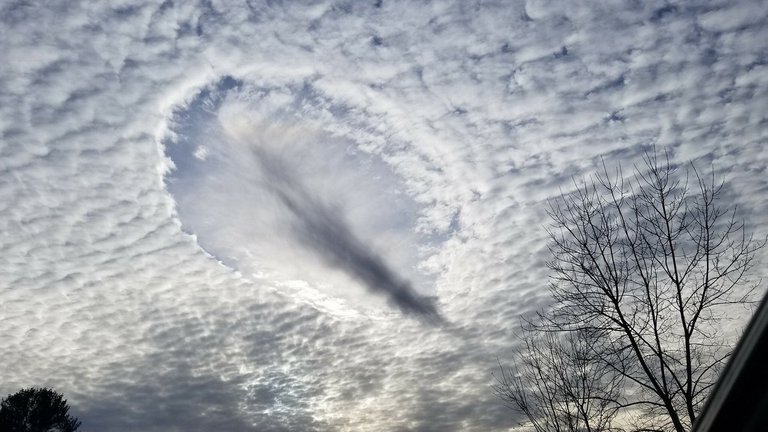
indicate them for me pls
(322, 229)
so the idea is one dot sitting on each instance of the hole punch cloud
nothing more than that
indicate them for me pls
(265, 196)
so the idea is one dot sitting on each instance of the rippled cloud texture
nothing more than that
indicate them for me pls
(268, 216)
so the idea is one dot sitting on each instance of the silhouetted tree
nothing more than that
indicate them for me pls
(556, 382)
(36, 410)
(651, 263)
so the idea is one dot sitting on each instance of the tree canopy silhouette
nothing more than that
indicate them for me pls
(36, 410)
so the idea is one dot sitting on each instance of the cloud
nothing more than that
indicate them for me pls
(322, 228)
(419, 143)
(268, 194)
(324, 231)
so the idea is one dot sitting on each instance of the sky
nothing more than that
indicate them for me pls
(329, 215)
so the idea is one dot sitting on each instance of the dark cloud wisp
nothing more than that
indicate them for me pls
(322, 229)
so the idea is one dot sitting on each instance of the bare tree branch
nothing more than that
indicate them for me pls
(644, 271)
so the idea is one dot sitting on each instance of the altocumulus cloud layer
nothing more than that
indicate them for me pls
(226, 215)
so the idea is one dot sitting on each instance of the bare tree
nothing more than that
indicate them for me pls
(558, 385)
(652, 263)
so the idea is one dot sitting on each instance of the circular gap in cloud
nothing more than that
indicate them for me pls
(274, 196)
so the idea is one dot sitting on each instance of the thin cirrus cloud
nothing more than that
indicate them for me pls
(429, 136)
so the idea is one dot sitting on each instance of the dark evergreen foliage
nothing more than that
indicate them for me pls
(36, 410)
